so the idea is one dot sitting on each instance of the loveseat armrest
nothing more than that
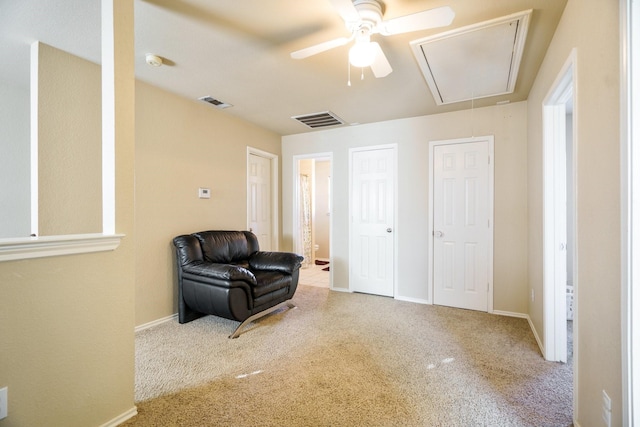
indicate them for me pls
(225, 272)
(285, 262)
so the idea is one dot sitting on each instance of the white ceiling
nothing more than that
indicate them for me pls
(238, 52)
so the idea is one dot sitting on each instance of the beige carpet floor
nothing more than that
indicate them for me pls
(342, 359)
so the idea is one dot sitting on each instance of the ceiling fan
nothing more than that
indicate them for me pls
(363, 19)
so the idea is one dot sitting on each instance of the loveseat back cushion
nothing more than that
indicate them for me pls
(227, 247)
(188, 249)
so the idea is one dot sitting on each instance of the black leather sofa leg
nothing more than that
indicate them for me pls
(186, 315)
(250, 319)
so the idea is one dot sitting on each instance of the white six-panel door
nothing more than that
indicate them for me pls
(461, 225)
(372, 221)
(259, 200)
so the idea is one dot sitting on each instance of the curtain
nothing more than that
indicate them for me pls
(305, 220)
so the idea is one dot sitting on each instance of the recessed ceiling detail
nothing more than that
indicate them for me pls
(477, 61)
(319, 120)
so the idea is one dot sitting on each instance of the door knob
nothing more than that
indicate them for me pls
(438, 233)
(389, 230)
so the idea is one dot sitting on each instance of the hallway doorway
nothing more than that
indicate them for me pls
(312, 217)
(560, 283)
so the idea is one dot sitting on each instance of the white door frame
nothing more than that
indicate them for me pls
(630, 208)
(432, 145)
(275, 185)
(295, 218)
(394, 147)
(554, 294)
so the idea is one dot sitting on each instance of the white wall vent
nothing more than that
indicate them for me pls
(319, 120)
(477, 61)
(215, 102)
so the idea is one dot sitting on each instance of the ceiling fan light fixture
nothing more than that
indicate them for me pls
(364, 18)
(362, 54)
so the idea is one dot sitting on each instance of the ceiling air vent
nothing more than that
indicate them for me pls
(215, 102)
(319, 120)
(473, 62)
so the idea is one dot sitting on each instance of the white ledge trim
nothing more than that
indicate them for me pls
(47, 246)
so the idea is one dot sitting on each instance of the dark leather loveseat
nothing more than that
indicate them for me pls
(225, 274)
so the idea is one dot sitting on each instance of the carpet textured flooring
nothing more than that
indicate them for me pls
(342, 359)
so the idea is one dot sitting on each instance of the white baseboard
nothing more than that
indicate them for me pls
(510, 314)
(121, 418)
(535, 334)
(156, 322)
(416, 300)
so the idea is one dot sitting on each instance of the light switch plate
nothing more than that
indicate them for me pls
(204, 193)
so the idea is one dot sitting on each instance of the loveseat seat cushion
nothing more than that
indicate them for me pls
(226, 247)
(269, 281)
(220, 271)
(278, 261)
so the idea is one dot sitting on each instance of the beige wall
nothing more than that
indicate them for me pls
(69, 144)
(507, 123)
(592, 27)
(66, 323)
(182, 145)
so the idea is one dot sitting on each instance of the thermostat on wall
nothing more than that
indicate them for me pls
(204, 193)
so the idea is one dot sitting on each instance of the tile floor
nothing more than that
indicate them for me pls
(314, 276)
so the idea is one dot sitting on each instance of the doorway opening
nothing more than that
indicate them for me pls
(312, 217)
(560, 287)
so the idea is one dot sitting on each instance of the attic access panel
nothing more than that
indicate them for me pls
(477, 61)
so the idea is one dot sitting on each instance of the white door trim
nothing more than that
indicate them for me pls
(432, 144)
(554, 296)
(394, 147)
(275, 185)
(295, 217)
(630, 208)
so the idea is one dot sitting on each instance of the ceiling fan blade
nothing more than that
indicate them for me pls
(380, 66)
(346, 10)
(432, 18)
(312, 50)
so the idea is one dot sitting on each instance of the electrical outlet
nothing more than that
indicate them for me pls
(533, 295)
(3, 402)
